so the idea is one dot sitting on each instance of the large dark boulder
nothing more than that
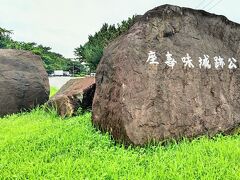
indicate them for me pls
(139, 97)
(23, 81)
(74, 97)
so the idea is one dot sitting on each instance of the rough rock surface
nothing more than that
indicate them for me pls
(138, 101)
(76, 94)
(23, 81)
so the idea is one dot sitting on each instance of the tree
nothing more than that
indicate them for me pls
(51, 60)
(92, 51)
(4, 32)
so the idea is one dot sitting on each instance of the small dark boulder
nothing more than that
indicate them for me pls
(23, 81)
(76, 95)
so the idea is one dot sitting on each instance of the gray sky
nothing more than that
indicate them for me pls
(65, 24)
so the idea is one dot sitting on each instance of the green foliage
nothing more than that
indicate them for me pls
(52, 61)
(4, 37)
(80, 111)
(53, 91)
(40, 145)
(4, 32)
(92, 51)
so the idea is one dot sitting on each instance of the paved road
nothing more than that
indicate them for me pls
(58, 82)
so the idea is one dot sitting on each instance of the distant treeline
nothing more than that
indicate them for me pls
(52, 61)
(92, 51)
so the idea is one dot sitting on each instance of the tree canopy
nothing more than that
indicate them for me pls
(51, 60)
(91, 52)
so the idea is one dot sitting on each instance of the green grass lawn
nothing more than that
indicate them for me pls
(40, 145)
(53, 91)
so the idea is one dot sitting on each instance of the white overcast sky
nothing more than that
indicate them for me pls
(65, 24)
